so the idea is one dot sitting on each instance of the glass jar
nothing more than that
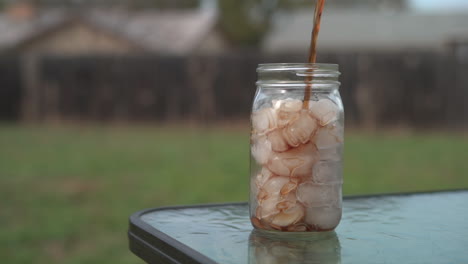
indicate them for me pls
(296, 148)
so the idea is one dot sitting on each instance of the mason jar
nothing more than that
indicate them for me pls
(297, 126)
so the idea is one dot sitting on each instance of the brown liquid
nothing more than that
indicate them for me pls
(313, 47)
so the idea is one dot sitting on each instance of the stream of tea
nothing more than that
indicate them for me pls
(313, 48)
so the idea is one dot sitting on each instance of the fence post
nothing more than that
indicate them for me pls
(202, 73)
(29, 72)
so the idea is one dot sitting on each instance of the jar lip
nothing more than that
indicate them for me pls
(264, 67)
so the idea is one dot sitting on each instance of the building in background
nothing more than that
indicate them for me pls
(29, 36)
(350, 30)
(369, 4)
(25, 29)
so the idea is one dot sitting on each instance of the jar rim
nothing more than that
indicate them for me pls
(264, 67)
(321, 76)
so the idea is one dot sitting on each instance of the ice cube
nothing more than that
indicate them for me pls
(325, 139)
(261, 149)
(299, 131)
(276, 165)
(329, 136)
(315, 195)
(256, 191)
(331, 154)
(325, 218)
(274, 184)
(269, 202)
(264, 120)
(267, 208)
(290, 186)
(278, 143)
(287, 110)
(263, 177)
(276, 104)
(327, 172)
(289, 216)
(325, 111)
(296, 162)
(274, 204)
(289, 105)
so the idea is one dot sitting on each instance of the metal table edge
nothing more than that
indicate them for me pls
(143, 236)
(146, 251)
(360, 196)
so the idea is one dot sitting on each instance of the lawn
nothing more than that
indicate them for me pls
(66, 192)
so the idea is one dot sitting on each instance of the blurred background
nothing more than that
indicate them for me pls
(108, 107)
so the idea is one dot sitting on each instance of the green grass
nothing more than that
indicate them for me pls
(66, 193)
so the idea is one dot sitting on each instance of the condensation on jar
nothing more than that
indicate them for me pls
(296, 148)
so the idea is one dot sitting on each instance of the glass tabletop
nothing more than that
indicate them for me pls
(411, 228)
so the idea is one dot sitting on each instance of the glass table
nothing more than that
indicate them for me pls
(394, 228)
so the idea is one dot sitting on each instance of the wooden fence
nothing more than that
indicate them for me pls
(10, 89)
(409, 89)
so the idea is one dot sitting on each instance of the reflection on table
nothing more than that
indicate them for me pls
(270, 247)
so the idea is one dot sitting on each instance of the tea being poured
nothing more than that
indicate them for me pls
(313, 45)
